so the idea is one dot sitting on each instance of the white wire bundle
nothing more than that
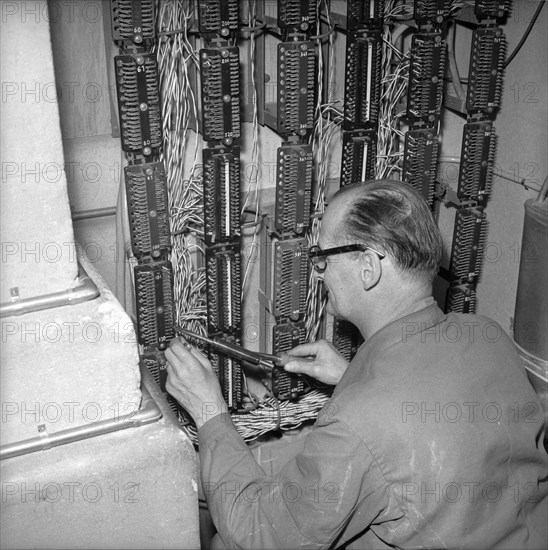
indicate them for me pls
(274, 415)
(394, 82)
(176, 56)
(327, 125)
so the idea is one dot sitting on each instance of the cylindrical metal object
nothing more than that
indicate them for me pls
(531, 313)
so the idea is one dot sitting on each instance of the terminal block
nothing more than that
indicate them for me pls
(363, 79)
(431, 10)
(155, 363)
(220, 74)
(477, 161)
(286, 336)
(486, 70)
(461, 299)
(218, 16)
(297, 14)
(293, 188)
(420, 161)
(221, 181)
(148, 210)
(296, 87)
(138, 102)
(426, 72)
(154, 300)
(468, 244)
(359, 156)
(346, 338)
(223, 288)
(364, 13)
(132, 21)
(230, 375)
(492, 9)
(284, 278)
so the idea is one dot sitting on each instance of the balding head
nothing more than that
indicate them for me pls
(393, 218)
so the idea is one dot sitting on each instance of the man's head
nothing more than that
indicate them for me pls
(394, 221)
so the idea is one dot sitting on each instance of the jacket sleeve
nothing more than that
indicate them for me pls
(307, 505)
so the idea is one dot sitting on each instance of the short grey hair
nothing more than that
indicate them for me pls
(393, 218)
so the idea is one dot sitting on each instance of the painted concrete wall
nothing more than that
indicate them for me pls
(38, 254)
(134, 488)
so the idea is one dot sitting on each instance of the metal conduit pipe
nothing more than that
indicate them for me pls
(148, 413)
(85, 290)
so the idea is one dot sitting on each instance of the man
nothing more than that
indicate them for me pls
(433, 437)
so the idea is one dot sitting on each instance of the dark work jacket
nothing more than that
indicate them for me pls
(433, 438)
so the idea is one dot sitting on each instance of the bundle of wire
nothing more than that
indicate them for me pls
(394, 81)
(176, 56)
(327, 125)
(273, 415)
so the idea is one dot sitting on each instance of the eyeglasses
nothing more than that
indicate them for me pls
(318, 257)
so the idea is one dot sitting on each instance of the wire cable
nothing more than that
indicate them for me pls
(525, 34)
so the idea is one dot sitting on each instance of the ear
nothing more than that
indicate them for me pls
(370, 269)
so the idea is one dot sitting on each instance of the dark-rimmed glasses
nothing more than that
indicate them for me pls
(318, 257)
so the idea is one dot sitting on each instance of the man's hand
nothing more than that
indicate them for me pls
(192, 381)
(328, 365)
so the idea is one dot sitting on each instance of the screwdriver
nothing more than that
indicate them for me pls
(234, 350)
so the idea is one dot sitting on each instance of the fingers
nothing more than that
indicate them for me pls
(304, 350)
(301, 367)
(181, 351)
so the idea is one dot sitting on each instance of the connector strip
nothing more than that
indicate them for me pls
(290, 275)
(477, 161)
(468, 245)
(431, 10)
(218, 16)
(132, 21)
(147, 205)
(364, 13)
(420, 161)
(138, 102)
(461, 299)
(221, 182)
(297, 14)
(154, 301)
(220, 73)
(358, 156)
(230, 375)
(492, 9)
(286, 336)
(293, 188)
(426, 72)
(486, 69)
(363, 79)
(346, 338)
(296, 87)
(224, 287)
